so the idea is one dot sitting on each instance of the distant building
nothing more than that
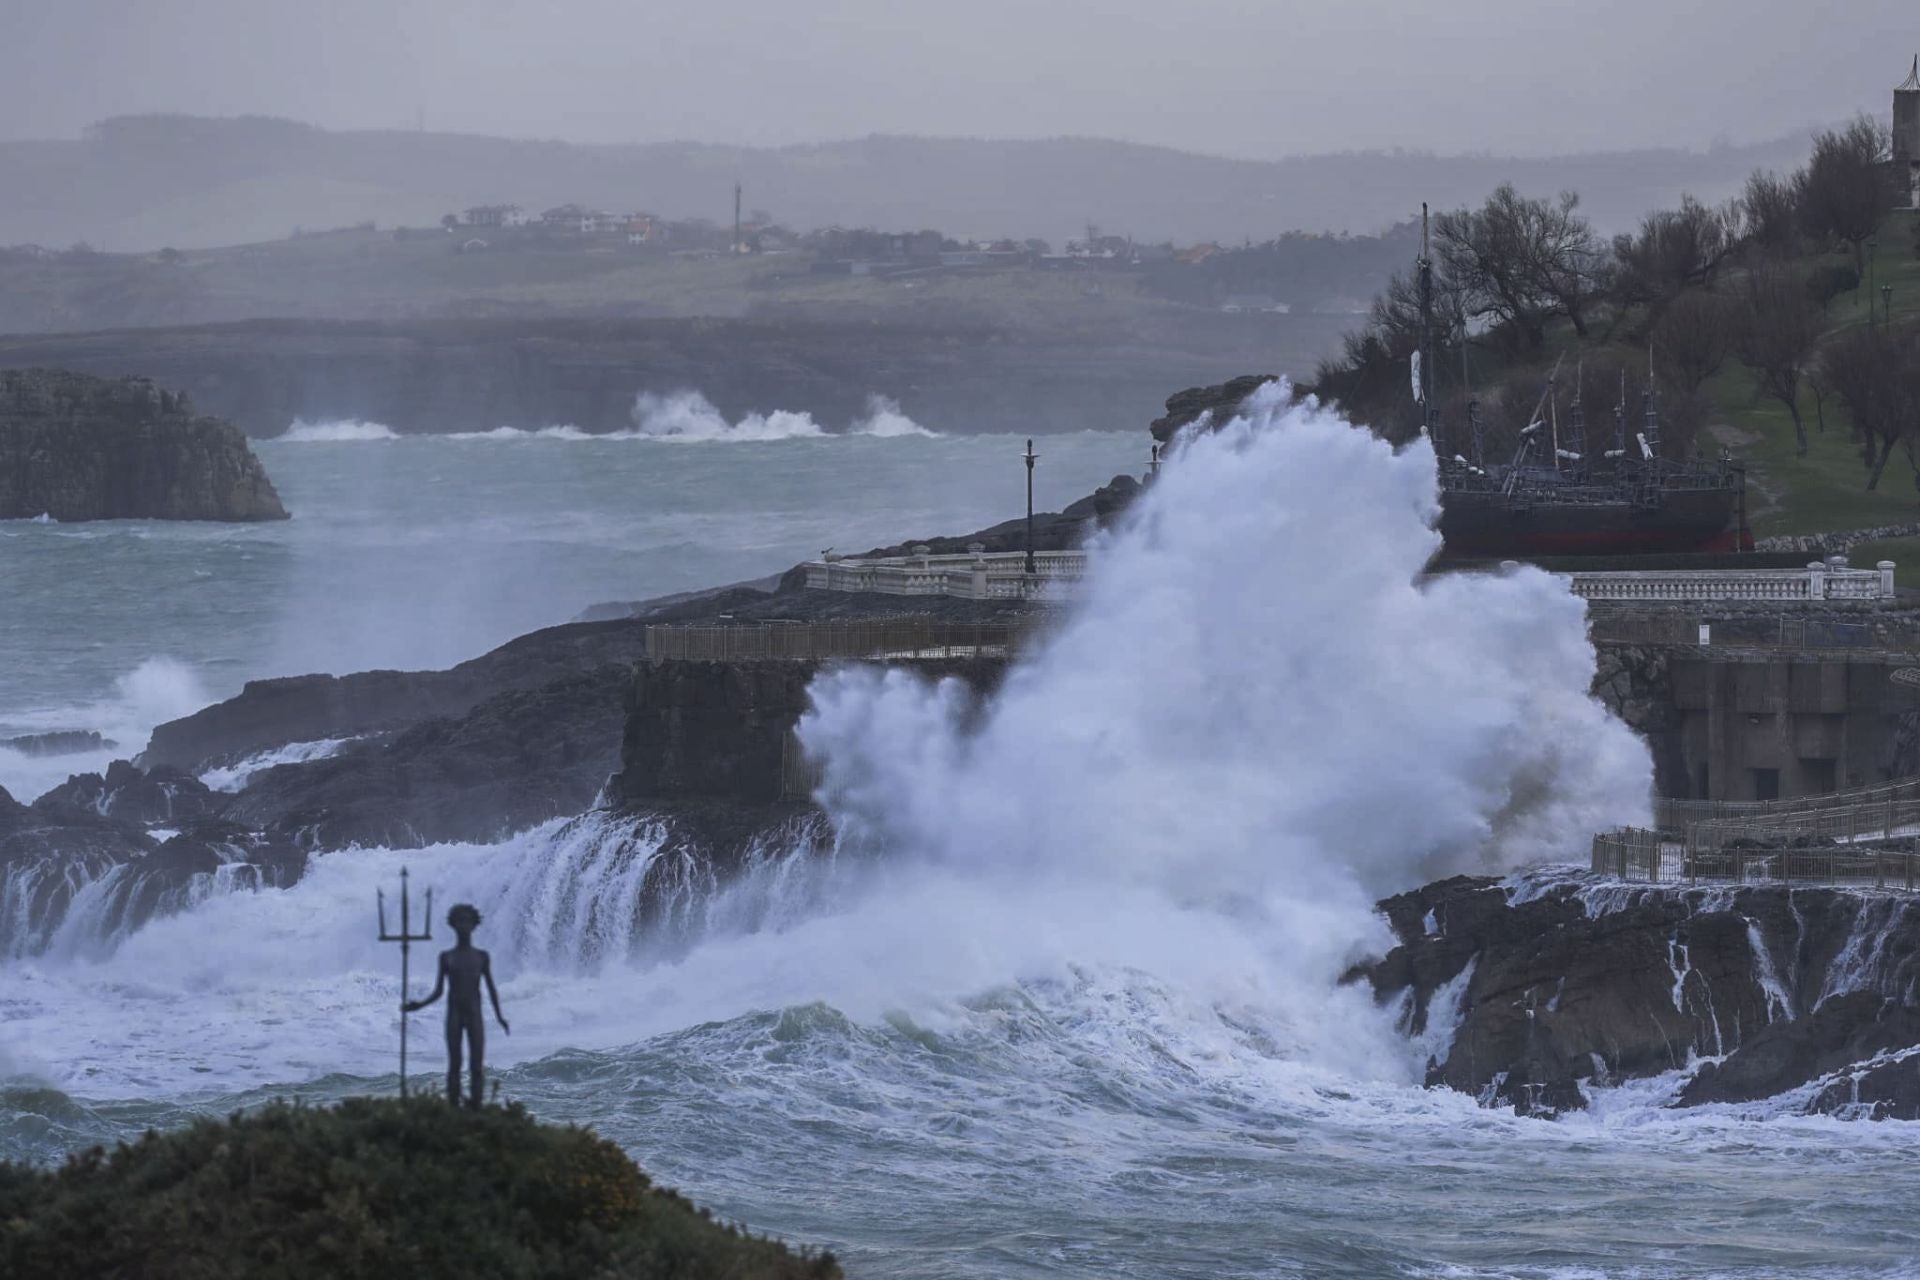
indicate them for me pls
(1246, 302)
(1906, 138)
(494, 215)
(645, 231)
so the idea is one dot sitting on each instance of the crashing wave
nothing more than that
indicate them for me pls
(690, 416)
(335, 431)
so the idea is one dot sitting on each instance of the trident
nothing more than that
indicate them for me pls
(406, 939)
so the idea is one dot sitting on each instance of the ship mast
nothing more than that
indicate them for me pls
(1650, 414)
(1620, 419)
(1553, 412)
(1576, 453)
(1474, 431)
(1423, 379)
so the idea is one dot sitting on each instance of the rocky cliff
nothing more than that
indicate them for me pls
(1536, 990)
(76, 447)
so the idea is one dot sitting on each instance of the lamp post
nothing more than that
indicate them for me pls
(1872, 246)
(1031, 458)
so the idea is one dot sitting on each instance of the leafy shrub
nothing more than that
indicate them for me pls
(370, 1187)
(1827, 282)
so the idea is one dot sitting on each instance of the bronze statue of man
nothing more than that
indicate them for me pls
(463, 967)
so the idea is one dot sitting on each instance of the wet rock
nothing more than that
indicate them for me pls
(516, 760)
(1560, 981)
(250, 859)
(47, 860)
(724, 730)
(267, 714)
(1844, 1029)
(1883, 1088)
(77, 447)
(127, 793)
(1222, 401)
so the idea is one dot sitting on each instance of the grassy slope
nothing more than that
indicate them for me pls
(371, 1187)
(1826, 489)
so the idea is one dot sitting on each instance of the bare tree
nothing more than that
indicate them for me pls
(1770, 211)
(1518, 262)
(1844, 191)
(1693, 339)
(1370, 379)
(1673, 250)
(1876, 374)
(1568, 262)
(1775, 336)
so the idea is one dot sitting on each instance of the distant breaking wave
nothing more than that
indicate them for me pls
(342, 431)
(690, 416)
(683, 417)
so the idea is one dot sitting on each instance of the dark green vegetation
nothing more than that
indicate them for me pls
(1765, 326)
(370, 1188)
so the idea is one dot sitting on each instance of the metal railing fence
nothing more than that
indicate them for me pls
(1640, 856)
(1672, 815)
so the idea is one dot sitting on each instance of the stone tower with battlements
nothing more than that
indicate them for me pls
(1906, 139)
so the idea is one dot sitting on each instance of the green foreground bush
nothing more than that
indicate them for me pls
(370, 1187)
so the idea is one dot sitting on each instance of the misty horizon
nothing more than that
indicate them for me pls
(1697, 147)
(1210, 78)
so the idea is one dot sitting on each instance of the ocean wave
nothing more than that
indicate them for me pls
(337, 431)
(157, 690)
(682, 416)
(536, 433)
(690, 416)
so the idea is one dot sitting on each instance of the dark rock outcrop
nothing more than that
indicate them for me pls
(77, 447)
(511, 762)
(709, 749)
(47, 859)
(129, 794)
(1554, 983)
(272, 713)
(52, 854)
(724, 730)
(1221, 401)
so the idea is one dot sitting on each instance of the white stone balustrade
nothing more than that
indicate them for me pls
(1819, 581)
(972, 575)
(977, 575)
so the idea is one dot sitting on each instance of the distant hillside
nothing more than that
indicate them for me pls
(141, 183)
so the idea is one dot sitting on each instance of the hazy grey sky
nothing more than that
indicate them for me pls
(1258, 78)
